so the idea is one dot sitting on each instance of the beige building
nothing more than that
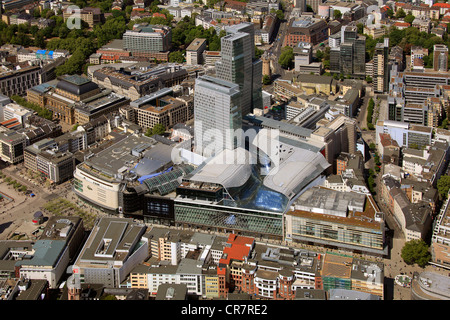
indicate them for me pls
(315, 84)
(90, 15)
(413, 218)
(194, 52)
(172, 112)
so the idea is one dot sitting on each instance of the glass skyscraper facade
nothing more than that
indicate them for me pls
(350, 57)
(238, 65)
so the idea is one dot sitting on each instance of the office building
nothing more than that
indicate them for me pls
(16, 111)
(381, 67)
(440, 57)
(16, 82)
(92, 16)
(350, 57)
(53, 251)
(12, 146)
(194, 52)
(346, 220)
(306, 29)
(161, 107)
(238, 65)
(217, 115)
(148, 40)
(113, 248)
(43, 157)
(405, 134)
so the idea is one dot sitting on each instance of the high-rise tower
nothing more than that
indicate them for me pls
(381, 67)
(350, 57)
(217, 115)
(238, 65)
(440, 57)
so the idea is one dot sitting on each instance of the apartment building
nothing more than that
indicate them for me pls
(426, 164)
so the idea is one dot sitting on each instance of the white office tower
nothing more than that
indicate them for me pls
(238, 65)
(217, 115)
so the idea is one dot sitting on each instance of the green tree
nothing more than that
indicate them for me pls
(416, 251)
(280, 14)
(400, 13)
(337, 14)
(266, 80)
(409, 18)
(258, 52)
(158, 128)
(286, 58)
(319, 55)
(443, 185)
(176, 56)
(360, 28)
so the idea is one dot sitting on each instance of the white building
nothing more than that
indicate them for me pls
(14, 110)
(114, 247)
(217, 114)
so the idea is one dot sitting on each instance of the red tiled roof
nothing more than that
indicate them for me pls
(441, 5)
(239, 249)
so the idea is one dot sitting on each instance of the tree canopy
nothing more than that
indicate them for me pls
(416, 251)
(443, 185)
(158, 128)
(286, 59)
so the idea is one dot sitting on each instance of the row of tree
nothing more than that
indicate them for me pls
(42, 112)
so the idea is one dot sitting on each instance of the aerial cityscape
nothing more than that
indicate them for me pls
(220, 150)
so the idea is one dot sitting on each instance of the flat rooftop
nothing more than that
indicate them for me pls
(196, 44)
(113, 239)
(107, 162)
